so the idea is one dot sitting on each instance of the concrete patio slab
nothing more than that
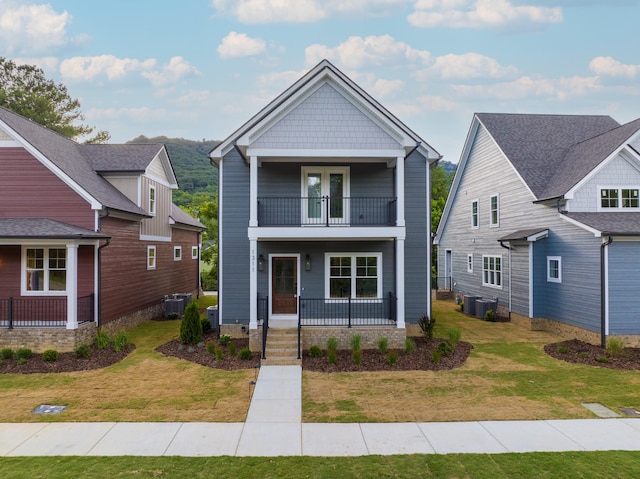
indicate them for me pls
(206, 439)
(529, 436)
(136, 439)
(13, 435)
(460, 437)
(63, 439)
(262, 439)
(395, 438)
(600, 434)
(333, 440)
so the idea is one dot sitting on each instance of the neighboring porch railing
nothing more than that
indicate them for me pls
(326, 211)
(42, 312)
(347, 312)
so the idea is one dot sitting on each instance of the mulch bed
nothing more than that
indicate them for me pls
(66, 362)
(579, 352)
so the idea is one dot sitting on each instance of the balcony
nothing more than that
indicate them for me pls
(326, 211)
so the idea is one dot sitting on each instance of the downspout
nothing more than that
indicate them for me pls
(603, 293)
(106, 213)
(510, 289)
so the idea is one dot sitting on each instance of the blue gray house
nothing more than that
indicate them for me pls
(543, 220)
(323, 216)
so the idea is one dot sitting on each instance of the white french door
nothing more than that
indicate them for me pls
(325, 193)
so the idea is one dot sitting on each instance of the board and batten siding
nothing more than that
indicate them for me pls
(326, 120)
(157, 171)
(28, 189)
(234, 242)
(157, 226)
(624, 284)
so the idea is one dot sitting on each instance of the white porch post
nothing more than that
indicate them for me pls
(72, 286)
(253, 284)
(400, 283)
(253, 191)
(400, 190)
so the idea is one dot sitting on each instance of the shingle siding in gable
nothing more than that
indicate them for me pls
(326, 120)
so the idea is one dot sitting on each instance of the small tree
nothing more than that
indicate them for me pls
(427, 324)
(191, 326)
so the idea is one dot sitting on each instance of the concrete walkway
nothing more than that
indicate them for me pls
(274, 428)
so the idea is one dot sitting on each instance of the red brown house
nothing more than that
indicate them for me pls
(89, 236)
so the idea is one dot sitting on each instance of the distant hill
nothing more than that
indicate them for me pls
(190, 161)
(449, 167)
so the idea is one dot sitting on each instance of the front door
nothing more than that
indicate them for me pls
(284, 285)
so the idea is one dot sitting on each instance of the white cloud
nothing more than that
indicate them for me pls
(303, 11)
(33, 29)
(47, 64)
(527, 87)
(468, 65)
(358, 52)
(138, 114)
(611, 67)
(237, 45)
(480, 14)
(383, 88)
(114, 68)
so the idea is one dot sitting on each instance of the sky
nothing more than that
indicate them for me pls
(199, 69)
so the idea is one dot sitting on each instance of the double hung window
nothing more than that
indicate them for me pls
(619, 198)
(354, 275)
(492, 271)
(44, 270)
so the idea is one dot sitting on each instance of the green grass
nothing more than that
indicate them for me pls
(571, 465)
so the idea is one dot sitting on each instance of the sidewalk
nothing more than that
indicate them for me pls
(274, 428)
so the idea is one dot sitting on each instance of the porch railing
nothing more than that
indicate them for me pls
(348, 312)
(326, 211)
(42, 312)
(263, 315)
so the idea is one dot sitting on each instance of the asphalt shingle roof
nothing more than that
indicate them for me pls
(39, 228)
(614, 223)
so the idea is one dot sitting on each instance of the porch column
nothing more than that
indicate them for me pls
(400, 283)
(400, 190)
(253, 284)
(72, 286)
(253, 191)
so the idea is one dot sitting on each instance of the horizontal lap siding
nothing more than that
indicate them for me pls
(624, 284)
(520, 279)
(30, 190)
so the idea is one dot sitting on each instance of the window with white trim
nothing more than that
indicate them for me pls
(619, 198)
(44, 270)
(469, 263)
(325, 193)
(194, 252)
(177, 253)
(492, 271)
(554, 269)
(475, 214)
(151, 257)
(494, 210)
(353, 275)
(152, 200)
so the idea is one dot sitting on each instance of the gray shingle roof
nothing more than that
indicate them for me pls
(537, 145)
(130, 157)
(182, 217)
(614, 223)
(522, 234)
(40, 228)
(70, 158)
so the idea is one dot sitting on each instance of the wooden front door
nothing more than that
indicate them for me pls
(284, 285)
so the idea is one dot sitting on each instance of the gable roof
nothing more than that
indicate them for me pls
(609, 223)
(323, 72)
(75, 163)
(180, 217)
(44, 228)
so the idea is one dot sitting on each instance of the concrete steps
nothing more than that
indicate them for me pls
(282, 347)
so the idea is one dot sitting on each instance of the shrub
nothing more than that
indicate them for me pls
(206, 324)
(436, 355)
(6, 353)
(315, 352)
(409, 345)
(583, 354)
(461, 306)
(245, 354)
(232, 348)
(615, 346)
(426, 325)
(50, 355)
(444, 348)
(120, 341)
(392, 359)
(332, 343)
(332, 356)
(383, 345)
(490, 315)
(103, 339)
(191, 327)
(224, 339)
(354, 342)
(454, 336)
(211, 348)
(602, 359)
(562, 349)
(82, 351)
(219, 353)
(172, 316)
(24, 353)
(21, 361)
(357, 356)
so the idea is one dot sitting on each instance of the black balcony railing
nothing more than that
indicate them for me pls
(42, 312)
(348, 312)
(326, 211)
